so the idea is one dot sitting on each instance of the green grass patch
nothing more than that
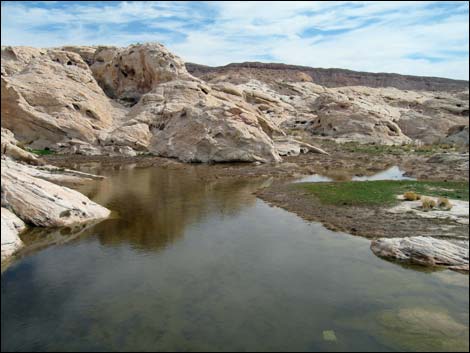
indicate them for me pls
(41, 152)
(381, 192)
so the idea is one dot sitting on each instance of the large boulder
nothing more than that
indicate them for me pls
(42, 203)
(128, 73)
(424, 251)
(189, 121)
(30, 194)
(458, 135)
(50, 96)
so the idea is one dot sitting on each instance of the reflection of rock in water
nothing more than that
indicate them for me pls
(155, 205)
(37, 238)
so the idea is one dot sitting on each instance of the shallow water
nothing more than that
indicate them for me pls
(190, 265)
(393, 173)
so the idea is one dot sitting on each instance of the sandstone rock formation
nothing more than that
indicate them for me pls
(424, 251)
(42, 203)
(189, 121)
(128, 73)
(30, 194)
(11, 226)
(10, 149)
(326, 77)
(458, 135)
(124, 101)
(50, 97)
(360, 114)
(139, 99)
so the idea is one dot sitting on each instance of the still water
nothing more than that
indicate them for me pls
(392, 173)
(189, 265)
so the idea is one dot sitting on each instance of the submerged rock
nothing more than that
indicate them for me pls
(425, 251)
(423, 329)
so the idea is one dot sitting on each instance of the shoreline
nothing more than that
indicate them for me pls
(371, 222)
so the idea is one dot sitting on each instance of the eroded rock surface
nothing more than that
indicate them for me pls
(189, 121)
(359, 114)
(12, 226)
(128, 73)
(30, 195)
(458, 135)
(102, 100)
(42, 203)
(10, 149)
(125, 101)
(50, 97)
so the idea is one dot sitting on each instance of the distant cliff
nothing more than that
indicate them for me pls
(239, 72)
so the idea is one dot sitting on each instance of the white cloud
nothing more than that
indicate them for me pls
(423, 38)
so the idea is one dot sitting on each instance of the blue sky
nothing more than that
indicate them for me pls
(416, 37)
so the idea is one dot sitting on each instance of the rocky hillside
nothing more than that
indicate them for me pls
(241, 72)
(142, 99)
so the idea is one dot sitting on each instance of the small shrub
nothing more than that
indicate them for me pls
(444, 203)
(411, 196)
(428, 204)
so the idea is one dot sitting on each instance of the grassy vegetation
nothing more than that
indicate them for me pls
(382, 192)
(41, 152)
(428, 204)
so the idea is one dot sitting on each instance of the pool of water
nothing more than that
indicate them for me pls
(392, 173)
(189, 265)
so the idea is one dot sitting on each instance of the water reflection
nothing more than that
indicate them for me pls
(392, 173)
(191, 265)
(154, 206)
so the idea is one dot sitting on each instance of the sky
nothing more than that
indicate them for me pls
(428, 38)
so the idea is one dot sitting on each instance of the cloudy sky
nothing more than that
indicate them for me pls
(418, 37)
